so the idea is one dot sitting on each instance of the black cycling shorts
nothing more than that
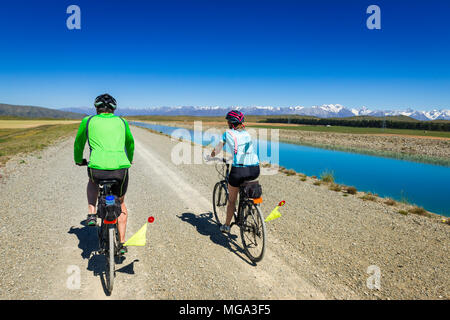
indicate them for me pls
(95, 175)
(240, 174)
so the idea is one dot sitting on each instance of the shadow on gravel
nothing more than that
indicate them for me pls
(87, 237)
(88, 243)
(129, 268)
(206, 226)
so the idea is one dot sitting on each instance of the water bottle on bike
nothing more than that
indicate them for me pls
(110, 200)
(111, 208)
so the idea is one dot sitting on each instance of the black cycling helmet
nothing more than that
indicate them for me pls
(235, 117)
(105, 101)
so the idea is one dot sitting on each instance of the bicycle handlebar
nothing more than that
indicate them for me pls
(208, 158)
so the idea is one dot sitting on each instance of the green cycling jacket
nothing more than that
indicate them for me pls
(110, 142)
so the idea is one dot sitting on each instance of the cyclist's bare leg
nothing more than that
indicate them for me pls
(92, 193)
(122, 220)
(231, 207)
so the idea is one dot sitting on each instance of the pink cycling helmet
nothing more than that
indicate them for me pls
(235, 117)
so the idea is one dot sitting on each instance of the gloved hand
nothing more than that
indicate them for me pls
(83, 163)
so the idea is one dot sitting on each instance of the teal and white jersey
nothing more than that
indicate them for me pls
(239, 143)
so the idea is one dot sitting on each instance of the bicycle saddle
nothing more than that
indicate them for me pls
(249, 182)
(108, 181)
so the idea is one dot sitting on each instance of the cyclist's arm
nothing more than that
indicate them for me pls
(129, 142)
(80, 141)
(219, 146)
(217, 149)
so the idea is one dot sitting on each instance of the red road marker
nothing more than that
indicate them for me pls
(151, 219)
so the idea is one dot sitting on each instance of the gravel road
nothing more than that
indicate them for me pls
(321, 247)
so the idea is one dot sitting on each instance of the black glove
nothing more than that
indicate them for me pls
(83, 163)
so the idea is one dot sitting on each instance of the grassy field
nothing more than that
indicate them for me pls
(256, 122)
(23, 139)
(358, 130)
(22, 124)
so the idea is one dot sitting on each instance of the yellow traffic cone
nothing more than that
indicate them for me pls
(139, 238)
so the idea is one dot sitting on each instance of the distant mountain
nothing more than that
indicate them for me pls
(36, 112)
(324, 111)
(423, 115)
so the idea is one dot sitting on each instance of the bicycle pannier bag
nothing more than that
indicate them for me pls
(101, 207)
(253, 189)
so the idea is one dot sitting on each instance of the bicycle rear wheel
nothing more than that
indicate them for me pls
(220, 201)
(253, 231)
(110, 262)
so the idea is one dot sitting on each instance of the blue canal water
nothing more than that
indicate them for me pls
(425, 185)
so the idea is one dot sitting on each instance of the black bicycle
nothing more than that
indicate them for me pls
(248, 216)
(108, 210)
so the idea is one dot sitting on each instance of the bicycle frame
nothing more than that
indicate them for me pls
(237, 215)
(105, 190)
(108, 233)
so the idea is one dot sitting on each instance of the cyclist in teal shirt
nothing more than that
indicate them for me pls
(245, 160)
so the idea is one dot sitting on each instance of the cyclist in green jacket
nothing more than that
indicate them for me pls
(111, 147)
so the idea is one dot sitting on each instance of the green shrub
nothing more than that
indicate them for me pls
(290, 172)
(327, 177)
(317, 183)
(368, 197)
(390, 202)
(335, 187)
(419, 211)
(403, 197)
(403, 212)
(351, 190)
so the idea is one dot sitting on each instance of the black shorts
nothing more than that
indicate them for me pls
(240, 174)
(95, 175)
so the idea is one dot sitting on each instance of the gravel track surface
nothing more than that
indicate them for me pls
(320, 248)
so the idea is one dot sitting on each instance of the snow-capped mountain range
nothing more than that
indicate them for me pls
(324, 111)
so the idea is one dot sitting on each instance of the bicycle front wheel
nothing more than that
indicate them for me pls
(253, 231)
(220, 202)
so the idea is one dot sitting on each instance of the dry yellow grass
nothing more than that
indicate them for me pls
(23, 140)
(23, 124)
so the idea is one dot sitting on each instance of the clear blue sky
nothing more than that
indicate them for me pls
(226, 52)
